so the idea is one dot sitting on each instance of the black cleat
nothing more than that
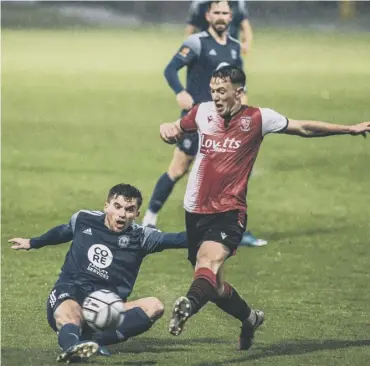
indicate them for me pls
(247, 331)
(180, 314)
(78, 352)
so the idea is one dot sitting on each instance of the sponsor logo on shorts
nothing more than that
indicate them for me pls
(187, 143)
(223, 235)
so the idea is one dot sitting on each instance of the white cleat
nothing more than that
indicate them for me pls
(180, 314)
(78, 352)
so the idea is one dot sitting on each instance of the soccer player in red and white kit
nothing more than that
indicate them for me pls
(230, 136)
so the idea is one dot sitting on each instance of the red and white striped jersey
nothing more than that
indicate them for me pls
(219, 177)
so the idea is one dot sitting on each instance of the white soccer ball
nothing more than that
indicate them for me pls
(103, 310)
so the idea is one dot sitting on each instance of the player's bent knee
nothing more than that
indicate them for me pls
(156, 308)
(67, 312)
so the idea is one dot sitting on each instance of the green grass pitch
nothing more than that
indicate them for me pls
(80, 113)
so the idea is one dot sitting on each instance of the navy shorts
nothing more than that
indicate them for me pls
(64, 291)
(226, 228)
(189, 142)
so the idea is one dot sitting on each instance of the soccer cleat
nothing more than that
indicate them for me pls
(249, 240)
(180, 314)
(247, 331)
(103, 351)
(78, 352)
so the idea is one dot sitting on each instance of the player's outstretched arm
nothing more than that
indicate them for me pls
(322, 129)
(57, 235)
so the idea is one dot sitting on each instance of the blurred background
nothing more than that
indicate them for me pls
(83, 94)
(326, 14)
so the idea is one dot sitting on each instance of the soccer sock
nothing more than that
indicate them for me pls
(161, 192)
(231, 303)
(202, 290)
(68, 335)
(134, 323)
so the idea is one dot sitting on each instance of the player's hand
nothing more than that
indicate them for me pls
(170, 133)
(360, 129)
(185, 100)
(20, 243)
(244, 48)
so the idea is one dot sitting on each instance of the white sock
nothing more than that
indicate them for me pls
(150, 218)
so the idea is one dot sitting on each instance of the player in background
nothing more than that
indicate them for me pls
(215, 200)
(239, 25)
(201, 53)
(106, 253)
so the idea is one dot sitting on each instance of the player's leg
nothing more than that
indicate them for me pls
(65, 317)
(211, 255)
(230, 302)
(181, 160)
(139, 317)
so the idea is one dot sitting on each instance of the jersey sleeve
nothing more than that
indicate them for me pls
(57, 235)
(189, 50)
(154, 241)
(188, 122)
(272, 121)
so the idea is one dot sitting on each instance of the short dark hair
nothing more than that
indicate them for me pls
(125, 190)
(235, 74)
(209, 4)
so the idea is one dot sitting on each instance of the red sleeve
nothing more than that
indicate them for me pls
(187, 122)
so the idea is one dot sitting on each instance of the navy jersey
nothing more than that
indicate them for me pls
(197, 17)
(202, 54)
(102, 257)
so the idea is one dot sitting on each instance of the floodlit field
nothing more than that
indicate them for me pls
(80, 113)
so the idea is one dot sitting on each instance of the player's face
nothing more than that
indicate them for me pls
(225, 95)
(120, 212)
(219, 16)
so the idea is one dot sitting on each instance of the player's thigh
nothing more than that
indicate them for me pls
(150, 305)
(63, 306)
(179, 164)
(212, 255)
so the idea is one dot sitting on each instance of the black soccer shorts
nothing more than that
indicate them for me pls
(226, 228)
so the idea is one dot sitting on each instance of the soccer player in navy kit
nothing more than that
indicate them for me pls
(215, 199)
(106, 253)
(201, 53)
(239, 25)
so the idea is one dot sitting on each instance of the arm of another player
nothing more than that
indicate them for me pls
(57, 235)
(171, 132)
(188, 52)
(246, 36)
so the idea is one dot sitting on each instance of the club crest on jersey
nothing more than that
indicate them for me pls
(233, 54)
(245, 124)
(123, 241)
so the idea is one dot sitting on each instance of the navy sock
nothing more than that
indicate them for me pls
(161, 192)
(68, 335)
(134, 323)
